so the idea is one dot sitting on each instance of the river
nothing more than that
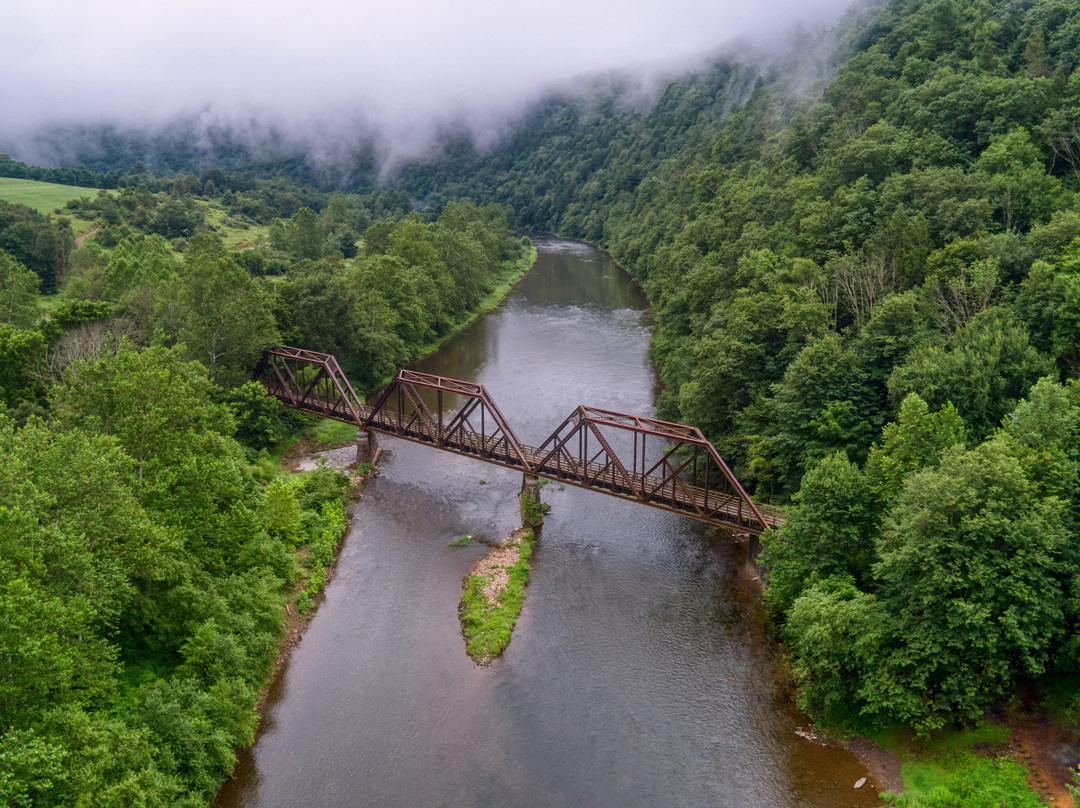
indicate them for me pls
(640, 672)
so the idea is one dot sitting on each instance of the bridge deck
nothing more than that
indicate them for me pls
(313, 383)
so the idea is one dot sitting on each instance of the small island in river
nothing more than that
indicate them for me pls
(494, 591)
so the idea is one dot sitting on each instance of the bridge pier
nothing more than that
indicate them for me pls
(367, 447)
(532, 510)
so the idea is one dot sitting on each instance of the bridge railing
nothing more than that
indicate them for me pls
(310, 381)
(654, 472)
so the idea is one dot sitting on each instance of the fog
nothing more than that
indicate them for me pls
(322, 68)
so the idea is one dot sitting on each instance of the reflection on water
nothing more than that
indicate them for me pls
(639, 673)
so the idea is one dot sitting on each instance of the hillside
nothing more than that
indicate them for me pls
(868, 294)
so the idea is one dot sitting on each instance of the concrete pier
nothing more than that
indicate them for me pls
(367, 448)
(532, 511)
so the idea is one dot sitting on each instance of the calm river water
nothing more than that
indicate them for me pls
(639, 673)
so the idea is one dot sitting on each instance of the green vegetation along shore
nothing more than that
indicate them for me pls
(145, 563)
(866, 294)
(863, 263)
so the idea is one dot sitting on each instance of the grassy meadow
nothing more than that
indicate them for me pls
(43, 197)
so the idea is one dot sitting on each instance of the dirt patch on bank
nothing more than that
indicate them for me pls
(304, 447)
(884, 766)
(1049, 754)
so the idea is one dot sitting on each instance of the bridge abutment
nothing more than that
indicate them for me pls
(367, 447)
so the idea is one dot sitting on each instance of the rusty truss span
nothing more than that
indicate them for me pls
(593, 448)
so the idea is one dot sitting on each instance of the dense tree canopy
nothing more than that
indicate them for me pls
(142, 596)
(146, 548)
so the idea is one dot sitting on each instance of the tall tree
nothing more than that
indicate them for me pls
(913, 442)
(18, 293)
(830, 532)
(970, 568)
(987, 366)
(224, 316)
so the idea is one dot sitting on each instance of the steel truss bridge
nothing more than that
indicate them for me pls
(688, 477)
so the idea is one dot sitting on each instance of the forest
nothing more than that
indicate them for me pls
(868, 296)
(148, 541)
(864, 264)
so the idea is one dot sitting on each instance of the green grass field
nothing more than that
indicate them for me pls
(43, 197)
(958, 768)
(236, 235)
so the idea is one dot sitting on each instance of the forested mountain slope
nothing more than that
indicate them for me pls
(869, 297)
(945, 138)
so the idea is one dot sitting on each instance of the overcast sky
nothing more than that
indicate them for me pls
(399, 63)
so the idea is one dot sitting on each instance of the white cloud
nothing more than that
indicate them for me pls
(400, 64)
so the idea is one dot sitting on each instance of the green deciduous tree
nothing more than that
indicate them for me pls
(987, 366)
(94, 539)
(21, 353)
(258, 415)
(830, 532)
(29, 769)
(821, 405)
(177, 218)
(914, 441)
(198, 728)
(51, 653)
(280, 512)
(1047, 423)
(308, 235)
(970, 571)
(18, 293)
(835, 635)
(1049, 302)
(1023, 193)
(895, 326)
(321, 299)
(224, 317)
(188, 470)
(106, 763)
